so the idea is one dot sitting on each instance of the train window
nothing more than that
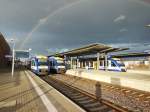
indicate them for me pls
(113, 64)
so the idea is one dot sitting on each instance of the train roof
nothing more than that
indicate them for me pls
(40, 56)
(57, 58)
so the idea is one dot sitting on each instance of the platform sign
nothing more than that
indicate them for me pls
(22, 54)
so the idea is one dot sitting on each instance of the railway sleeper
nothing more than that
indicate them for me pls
(102, 108)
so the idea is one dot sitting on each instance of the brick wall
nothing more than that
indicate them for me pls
(4, 50)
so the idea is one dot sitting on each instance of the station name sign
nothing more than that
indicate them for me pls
(22, 54)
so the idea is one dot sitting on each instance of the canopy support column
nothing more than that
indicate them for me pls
(71, 63)
(98, 62)
(105, 55)
(77, 66)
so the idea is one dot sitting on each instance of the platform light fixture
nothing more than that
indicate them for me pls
(147, 25)
(30, 49)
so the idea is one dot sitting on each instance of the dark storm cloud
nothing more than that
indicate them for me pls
(103, 21)
(91, 24)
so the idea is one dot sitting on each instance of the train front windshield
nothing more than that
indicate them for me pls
(42, 62)
(60, 63)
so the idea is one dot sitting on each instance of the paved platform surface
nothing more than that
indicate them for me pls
(144, 72)
(25, 92)
(132, 79)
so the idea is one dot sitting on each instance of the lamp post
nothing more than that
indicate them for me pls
(29, 50)
(13, 57)
(148, 26)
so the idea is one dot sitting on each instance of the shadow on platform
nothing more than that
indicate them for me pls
(11, 103)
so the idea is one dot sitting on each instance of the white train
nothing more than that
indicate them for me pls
(56, 64)
(39, 65)
(114, 64)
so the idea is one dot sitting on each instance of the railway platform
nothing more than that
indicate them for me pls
(26, 92)
(132, 79)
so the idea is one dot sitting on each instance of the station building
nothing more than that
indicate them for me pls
(4, 50)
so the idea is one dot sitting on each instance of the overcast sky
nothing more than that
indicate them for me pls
(58, 25)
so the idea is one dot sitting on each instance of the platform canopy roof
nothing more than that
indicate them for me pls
(91, 49)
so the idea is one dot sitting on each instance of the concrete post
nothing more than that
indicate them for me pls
(13, 62)
(98, 62)
(105, 61)
(13, 59)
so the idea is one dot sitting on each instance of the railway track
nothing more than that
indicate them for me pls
(132, 99)
(87, 101)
